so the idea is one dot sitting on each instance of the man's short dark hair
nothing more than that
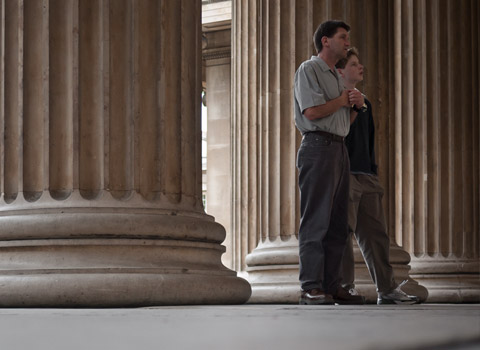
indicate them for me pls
(343, 62)
(328, 29)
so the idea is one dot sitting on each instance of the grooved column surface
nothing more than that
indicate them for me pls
(95, 101)
(100, 157)
(437, 146)
(265, 140)
(393, 38)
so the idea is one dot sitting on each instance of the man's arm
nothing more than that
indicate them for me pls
(330, 107)
(356, 98)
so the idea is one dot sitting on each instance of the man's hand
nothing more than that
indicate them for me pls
(326, 109)
(355, 97)
(344, 97)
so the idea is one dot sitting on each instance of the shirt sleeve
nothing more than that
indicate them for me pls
(307, 90)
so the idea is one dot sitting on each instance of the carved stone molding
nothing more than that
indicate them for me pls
(100, 166)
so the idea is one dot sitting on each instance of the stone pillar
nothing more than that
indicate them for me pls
(100, 159)
(216, 56)
(436, 206)
(265, 142)
(270, 40)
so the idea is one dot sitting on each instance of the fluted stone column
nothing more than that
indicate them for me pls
(270, 40)
(217, 63)
(100, 172)
(266, 217)
(436, 208)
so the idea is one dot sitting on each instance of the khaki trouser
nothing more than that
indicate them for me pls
(367, 222)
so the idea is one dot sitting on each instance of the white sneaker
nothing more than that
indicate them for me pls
(397, 296)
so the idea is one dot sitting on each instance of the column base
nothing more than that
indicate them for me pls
(448, 280)
(273, 273)
(399, 259)
(115, 273)
(119, 289)
(110, 253)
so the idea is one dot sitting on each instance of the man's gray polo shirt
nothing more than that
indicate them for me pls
(315, 84)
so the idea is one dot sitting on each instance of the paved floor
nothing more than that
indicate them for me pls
(276, 327)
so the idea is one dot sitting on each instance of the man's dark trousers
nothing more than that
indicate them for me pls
(324, 167)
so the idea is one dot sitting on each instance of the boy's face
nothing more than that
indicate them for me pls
(353, 71)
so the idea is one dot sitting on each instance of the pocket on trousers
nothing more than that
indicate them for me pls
(313, 149)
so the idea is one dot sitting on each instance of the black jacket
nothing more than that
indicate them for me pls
(360, 143)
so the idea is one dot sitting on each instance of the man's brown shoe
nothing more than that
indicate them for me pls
(316, 297)
(343, 297)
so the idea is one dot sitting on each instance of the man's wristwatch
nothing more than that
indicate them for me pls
(361, 109)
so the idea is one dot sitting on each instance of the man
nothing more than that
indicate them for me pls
(323, 111)
(366, 218)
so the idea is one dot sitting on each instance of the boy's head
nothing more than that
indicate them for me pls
(350, 67)
(343, 62)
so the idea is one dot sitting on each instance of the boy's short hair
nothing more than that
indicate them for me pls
(328, 29)
(343, 62)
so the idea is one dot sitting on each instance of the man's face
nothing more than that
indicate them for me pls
(339, 43)
(353, 71)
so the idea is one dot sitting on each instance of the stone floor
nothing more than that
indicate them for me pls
(278, 327)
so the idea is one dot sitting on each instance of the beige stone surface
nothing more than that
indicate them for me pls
(215, 14)
(418, 58)
(219, 171)
(265, 146)
(253, 327)
(100, 186)
(273, 273)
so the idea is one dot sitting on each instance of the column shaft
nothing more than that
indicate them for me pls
(282, 37)
(217, 62)
(444, 237)
(101, 174)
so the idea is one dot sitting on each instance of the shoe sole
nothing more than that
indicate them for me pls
(351, 302)
(395, 302)
(315, 302)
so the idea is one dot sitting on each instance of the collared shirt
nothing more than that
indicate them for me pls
(315, 84)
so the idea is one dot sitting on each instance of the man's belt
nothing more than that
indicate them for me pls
(328, 135)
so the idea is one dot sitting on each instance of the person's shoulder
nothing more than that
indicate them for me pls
(308, 64)
(305, 70)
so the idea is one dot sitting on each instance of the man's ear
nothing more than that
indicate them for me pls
(324, 41)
